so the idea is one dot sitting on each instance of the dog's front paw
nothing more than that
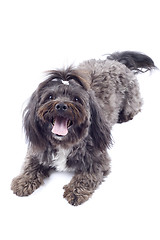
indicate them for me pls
(24, 186)
(75, 195)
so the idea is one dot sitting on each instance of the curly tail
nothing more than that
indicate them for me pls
(135, 61)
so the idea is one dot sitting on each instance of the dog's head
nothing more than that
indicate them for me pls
(63, 111)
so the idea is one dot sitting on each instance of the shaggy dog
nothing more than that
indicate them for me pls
(69, 118)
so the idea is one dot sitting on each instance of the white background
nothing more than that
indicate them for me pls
(43, 35)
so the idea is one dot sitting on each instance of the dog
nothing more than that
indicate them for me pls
(69, 118)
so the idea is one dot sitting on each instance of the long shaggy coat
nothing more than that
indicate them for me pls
(69, 118)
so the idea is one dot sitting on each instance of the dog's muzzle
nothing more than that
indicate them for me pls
(61, 123)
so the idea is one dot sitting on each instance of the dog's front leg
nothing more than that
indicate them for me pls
(82, 187)
(31, 177)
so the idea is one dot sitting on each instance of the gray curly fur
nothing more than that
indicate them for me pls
(90, 99)
(116, 89)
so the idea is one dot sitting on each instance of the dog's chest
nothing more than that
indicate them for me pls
(59, 159)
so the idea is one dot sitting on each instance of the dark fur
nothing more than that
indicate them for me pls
(93, 97)
(133, 60)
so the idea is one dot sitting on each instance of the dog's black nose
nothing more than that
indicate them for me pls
(61, 107)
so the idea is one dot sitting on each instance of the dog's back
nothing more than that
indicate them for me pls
(115, 85)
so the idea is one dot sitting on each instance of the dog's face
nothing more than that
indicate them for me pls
(62, 111)
(63, 107)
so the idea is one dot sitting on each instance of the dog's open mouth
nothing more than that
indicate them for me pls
(61, 126)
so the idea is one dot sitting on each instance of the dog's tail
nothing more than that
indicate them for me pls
(135, 61)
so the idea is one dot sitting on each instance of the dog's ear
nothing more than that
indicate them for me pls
(31, 125)
(99, 129)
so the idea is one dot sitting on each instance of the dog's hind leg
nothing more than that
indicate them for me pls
(136, 62)
(132, 103)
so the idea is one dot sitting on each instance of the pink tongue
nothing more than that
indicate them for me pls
(60, 126)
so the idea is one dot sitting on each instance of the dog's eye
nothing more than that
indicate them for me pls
(77, 99)
(50, 97)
